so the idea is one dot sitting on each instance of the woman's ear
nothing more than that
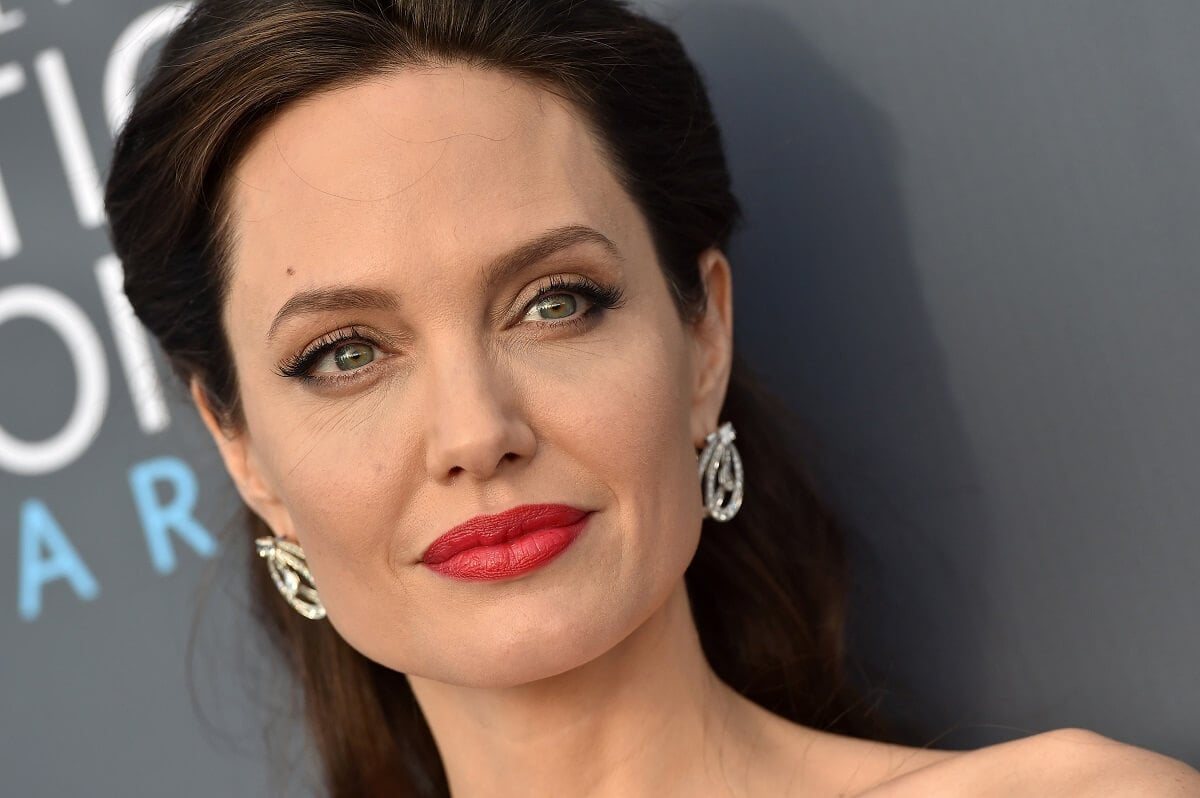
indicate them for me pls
(243, 466)
(712, 338)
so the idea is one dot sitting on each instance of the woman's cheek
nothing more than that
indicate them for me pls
(340, 473)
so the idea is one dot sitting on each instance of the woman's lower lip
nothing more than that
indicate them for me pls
(511, 558)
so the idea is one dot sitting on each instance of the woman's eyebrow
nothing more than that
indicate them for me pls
(337, 297)
(542, 247)
(334, 297)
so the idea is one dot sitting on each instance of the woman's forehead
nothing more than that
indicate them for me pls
(432, 167)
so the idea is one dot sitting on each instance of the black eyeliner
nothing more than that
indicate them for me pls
(604, 296)
(297, 365)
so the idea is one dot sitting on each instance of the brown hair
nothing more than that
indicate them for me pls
(768, 590)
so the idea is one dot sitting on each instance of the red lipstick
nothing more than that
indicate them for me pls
(501, 546)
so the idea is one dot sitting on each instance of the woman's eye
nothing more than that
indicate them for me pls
(346, 357)
(555, 306)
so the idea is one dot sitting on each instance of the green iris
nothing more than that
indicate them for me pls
(351, 356)
(556, 306)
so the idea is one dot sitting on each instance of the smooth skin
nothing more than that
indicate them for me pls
(463, 394)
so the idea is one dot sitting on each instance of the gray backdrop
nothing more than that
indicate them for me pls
(970, 265)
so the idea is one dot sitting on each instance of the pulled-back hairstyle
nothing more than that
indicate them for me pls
(768, 590)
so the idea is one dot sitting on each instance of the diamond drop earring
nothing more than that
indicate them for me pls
(721, 471)
(289, 572)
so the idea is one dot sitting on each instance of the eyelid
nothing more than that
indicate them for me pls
(577, 284)
(327, 352)
(298, 365)
(531, 305)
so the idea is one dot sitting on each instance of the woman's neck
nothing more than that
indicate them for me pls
(649, 717)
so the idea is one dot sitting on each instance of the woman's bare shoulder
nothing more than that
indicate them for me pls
(843, 766)
(1065, 762)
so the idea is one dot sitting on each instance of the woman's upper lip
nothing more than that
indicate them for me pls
(485, 530)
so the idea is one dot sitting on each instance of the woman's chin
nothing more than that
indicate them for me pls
(499, 662)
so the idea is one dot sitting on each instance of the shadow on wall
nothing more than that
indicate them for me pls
(829, 310)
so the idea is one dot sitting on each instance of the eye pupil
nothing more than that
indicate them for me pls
(351, 356)
(557, 306)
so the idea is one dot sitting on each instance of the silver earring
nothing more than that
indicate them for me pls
(721, 472)
(289, 572)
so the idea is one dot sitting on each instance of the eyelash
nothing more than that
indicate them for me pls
(601, 297)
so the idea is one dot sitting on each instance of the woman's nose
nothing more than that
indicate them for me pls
(475, 422)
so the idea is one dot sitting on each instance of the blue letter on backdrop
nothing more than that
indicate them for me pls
(159, 519)
(38, 530)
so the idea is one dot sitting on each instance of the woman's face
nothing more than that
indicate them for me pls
(397, 213)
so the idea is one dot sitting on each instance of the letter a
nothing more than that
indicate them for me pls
(40, 531)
